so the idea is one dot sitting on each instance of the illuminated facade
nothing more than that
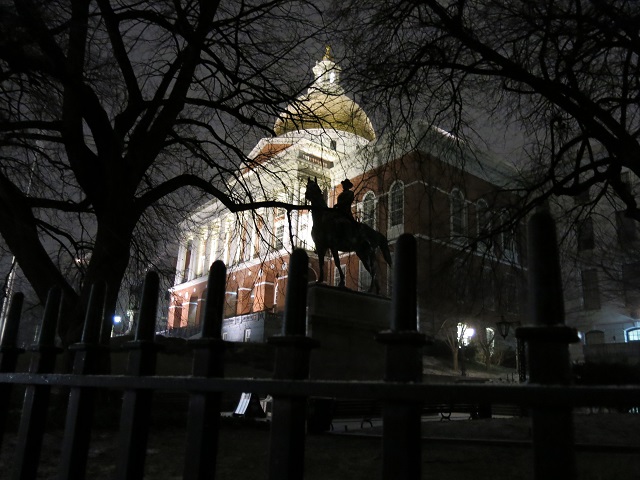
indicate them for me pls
(438, 189)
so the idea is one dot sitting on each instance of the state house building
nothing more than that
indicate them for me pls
(423, 181)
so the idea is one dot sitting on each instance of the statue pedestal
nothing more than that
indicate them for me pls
(346, 323)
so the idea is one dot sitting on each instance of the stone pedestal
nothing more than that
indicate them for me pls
(346, 323)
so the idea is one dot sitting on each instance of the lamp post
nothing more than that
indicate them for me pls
(521, 359)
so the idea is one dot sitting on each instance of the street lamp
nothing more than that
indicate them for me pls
(503, 327)
(521, 360)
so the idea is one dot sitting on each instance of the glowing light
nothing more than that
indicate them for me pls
(117, 319)
(465, 333)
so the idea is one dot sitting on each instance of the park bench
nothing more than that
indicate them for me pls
(445, 410)
(363, 410)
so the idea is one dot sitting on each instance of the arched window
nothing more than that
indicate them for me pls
(484, 218)
(203, 307)
(369, 209)
(193, 309)
(186, 271)
(396, 204)
(633, 334)
(458, 214)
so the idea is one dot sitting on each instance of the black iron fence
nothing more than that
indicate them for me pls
(400, 393)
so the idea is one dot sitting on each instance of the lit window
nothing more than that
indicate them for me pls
(193, 308)
(633, 334)
(396, 205)
(465, 333)
(278, 240)
(369, 210)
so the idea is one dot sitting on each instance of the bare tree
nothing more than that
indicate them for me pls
(563, 74)
(115, 117)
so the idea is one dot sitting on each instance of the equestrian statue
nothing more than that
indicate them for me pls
(335, 229)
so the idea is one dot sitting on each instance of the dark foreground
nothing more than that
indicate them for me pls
(460, 449)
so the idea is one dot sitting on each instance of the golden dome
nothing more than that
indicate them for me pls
(327, 111)
(325, 106)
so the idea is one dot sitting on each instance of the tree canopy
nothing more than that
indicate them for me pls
(563, 73)
(117, 116)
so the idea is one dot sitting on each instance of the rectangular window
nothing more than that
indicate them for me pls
(247, 335)
(511, 295)
(364, 280)
(390, 274)
(278, 240)
(590, 290)
(582, 198)
(369, 210)
(585, 235)
(489, 289)
(626, 228)
(458, 214)
(631, 284)
(336, 274)
(396, 205)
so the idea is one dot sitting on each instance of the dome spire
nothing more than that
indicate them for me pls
(327, 75)
(327, 53)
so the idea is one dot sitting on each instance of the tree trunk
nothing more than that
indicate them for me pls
(454, 356)
(107, 265)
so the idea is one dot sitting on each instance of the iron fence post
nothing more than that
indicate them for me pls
(287, 442)
(9, 356)
(402, 429)
(548, 347)
(136, 404)
(36, 397)
(203, 421)
(77, 432)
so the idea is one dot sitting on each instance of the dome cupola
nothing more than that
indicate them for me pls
(325, 106)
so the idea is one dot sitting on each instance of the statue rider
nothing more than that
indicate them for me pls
(345, 199)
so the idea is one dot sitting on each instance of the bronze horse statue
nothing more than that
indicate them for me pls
(335, 231)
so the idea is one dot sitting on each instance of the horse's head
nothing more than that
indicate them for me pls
(313, 192)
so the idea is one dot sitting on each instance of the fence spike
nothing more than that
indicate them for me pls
(548, 352)
(296, 305)
(214, 307)
(148, 308)
(545, 281)
(405, 273)
(9, 356)
(403, 343)
(47, 335)
(36, 397)
(12, 322)
(94, 315)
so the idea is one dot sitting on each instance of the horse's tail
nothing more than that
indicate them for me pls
(384, 248)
